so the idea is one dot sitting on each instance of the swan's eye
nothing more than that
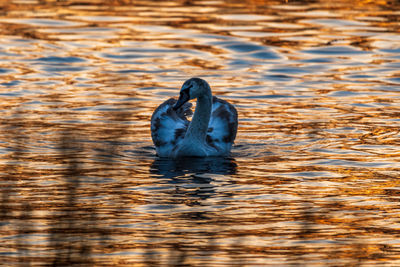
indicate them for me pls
(188, 87)
(186, 90)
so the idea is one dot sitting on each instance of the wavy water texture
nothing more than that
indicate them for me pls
(313, 176)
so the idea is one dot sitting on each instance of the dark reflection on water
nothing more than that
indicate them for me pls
(74, 229)
(171, 168)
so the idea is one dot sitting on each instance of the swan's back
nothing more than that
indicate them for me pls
(168, 127)
(222, 127)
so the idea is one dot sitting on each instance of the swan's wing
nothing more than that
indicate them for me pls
(223, 125)
(168, 127)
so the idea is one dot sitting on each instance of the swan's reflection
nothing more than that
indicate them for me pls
(173, 168)
(190, 171)
(195, 181)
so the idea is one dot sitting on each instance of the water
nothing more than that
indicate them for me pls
(313, 176)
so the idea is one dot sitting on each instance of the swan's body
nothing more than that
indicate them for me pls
(211, 131)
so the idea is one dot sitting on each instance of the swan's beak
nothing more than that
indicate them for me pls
(183, 98)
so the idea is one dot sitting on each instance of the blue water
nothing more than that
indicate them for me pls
(312, 179)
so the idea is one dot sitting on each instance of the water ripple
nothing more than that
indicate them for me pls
(313, 175)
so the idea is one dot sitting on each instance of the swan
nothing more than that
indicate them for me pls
(211, 132)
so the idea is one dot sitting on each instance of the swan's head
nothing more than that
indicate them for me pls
(191, 89)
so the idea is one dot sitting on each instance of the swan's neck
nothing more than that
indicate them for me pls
(198, 127)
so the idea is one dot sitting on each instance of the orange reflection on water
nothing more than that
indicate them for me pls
(312, 180)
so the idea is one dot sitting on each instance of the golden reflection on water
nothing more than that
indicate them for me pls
(312, 180)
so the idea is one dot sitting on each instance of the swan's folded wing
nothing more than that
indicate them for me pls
(223, 125)
(168, 127)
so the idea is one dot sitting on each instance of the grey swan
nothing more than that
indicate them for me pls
(211, 132)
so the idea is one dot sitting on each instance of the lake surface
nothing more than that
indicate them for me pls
(313, 179)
